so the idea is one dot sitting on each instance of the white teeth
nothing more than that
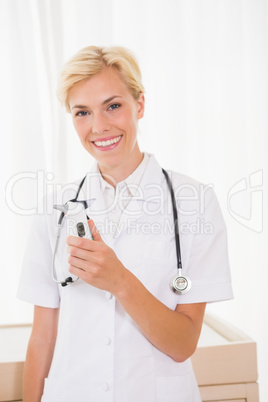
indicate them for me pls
(108, 142)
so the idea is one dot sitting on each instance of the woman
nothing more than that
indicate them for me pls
(119, 333)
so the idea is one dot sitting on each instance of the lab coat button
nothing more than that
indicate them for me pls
(108, 295)
(107, 341)
(105, 386)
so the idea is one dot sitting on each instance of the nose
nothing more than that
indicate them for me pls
(100, 124)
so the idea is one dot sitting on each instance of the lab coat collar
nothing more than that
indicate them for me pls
(153, 176)
(148, 195)
(92, 193)
(92, 187)
(131, 182)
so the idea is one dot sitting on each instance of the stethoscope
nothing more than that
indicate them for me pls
(179, 283)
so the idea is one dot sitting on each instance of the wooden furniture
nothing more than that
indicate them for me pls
(13, 344)
(225, 363)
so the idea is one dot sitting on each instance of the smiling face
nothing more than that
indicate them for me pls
(105, 116)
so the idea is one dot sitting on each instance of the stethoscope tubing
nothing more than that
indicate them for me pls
(175, 217)
(179, 284)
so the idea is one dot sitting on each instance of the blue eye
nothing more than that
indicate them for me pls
(114, 106)
(81, 113)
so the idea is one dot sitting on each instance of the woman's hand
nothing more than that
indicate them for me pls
(175, 333)
(94, 262)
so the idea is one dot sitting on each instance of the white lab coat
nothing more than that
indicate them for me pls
(100, 353)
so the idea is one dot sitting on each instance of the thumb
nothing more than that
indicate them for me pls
(94, 231)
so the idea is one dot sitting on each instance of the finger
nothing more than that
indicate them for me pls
(78, 272)
(79, 252)
(94, 231)
(77, 263)
(80, 242)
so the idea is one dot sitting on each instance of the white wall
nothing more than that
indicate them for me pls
(205, 69)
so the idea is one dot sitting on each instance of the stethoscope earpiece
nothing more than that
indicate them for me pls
(180, 284)
(67, 281)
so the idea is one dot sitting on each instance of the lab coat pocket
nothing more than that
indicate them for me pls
(52, 391)
(158, 266)
(174, 389)
(159, 251)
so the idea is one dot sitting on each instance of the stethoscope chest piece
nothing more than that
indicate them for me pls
(179, 283)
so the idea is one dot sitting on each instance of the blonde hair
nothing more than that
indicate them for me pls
(92, 60)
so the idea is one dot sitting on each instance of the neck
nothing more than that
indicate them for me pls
(118, 173)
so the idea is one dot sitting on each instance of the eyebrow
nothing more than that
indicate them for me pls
(110, 99)
(103, 103)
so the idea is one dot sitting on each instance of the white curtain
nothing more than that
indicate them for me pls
(204, 67)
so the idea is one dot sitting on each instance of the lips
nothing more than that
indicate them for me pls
(107, 143)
